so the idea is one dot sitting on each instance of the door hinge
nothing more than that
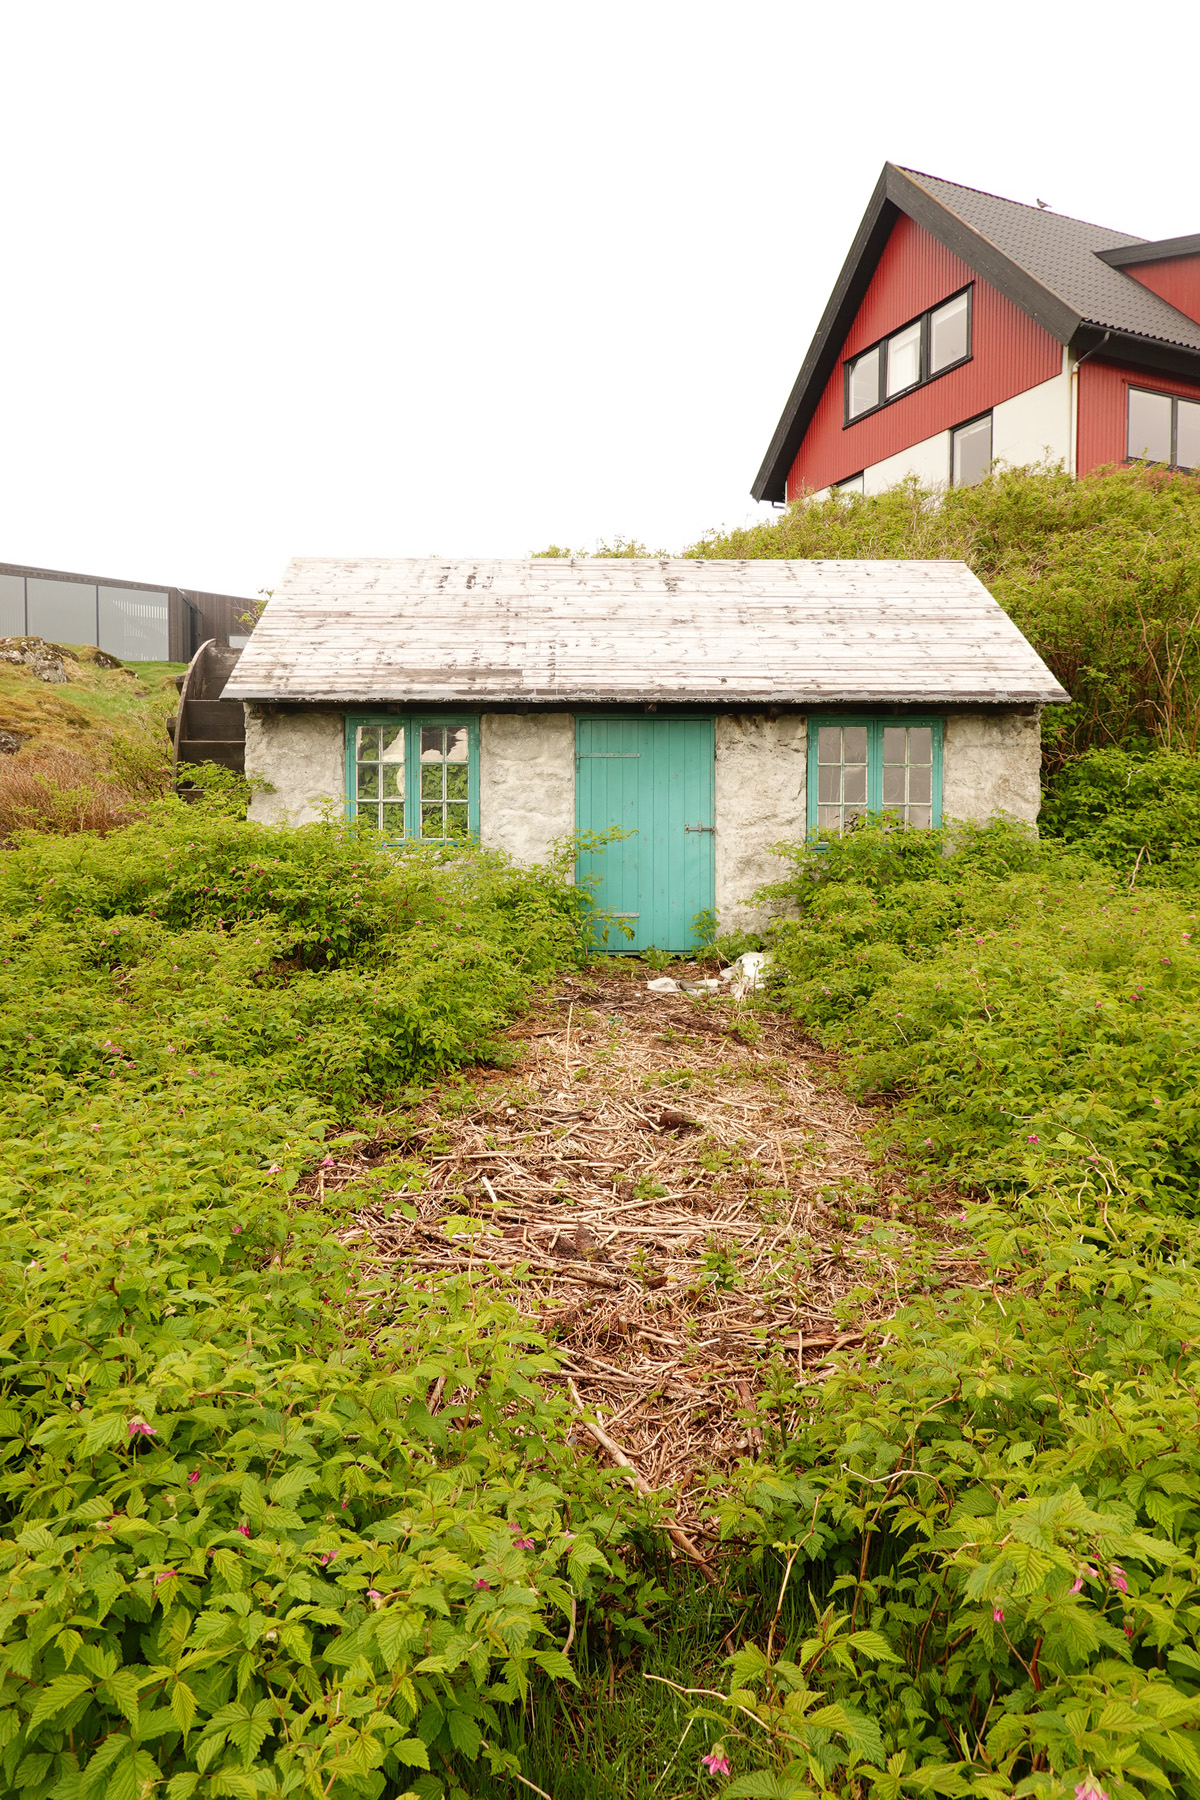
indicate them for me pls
(699, 828)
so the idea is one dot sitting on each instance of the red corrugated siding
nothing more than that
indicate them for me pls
(1010, 354)
(1176, 279)
(1102, 407)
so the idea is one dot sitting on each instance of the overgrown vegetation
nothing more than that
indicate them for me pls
(1102, 574)
(241, 1554)
(85, 750)
(997, 1511)
(245, 1549)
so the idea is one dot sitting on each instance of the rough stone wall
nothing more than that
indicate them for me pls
(992, 763)
(761, 799)
(526, 782)
(303, 756)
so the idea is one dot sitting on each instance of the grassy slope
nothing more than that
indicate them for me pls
(93, 703)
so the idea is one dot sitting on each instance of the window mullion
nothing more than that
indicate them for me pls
(875, 766)
(412, 775)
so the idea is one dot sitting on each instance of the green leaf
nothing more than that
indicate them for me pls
(55, 1696)
(465, 1734)
(411, 1752)
(872, 1644)
(183, 1705)
(556, 1664)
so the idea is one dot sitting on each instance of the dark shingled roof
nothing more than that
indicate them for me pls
(1062, 255)
(1063, 272)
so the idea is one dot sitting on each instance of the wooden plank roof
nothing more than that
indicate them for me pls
(672, 630)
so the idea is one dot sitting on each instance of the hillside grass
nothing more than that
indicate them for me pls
(92, 706)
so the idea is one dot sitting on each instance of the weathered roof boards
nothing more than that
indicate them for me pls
(755, 634)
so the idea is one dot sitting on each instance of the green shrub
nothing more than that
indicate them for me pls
(1025, 1011)
(1138, 813)
(1002, 1498)
(241, 1553)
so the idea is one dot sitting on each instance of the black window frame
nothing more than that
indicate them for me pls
(1132, 387)
(965, 425)
(926, 376)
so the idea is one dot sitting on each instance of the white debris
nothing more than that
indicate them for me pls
(663, 985)
(746, 974)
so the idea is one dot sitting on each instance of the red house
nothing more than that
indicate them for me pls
(966, 329)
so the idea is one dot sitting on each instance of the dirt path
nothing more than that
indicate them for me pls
(678, 1194)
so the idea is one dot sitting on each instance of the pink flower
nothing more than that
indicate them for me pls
(998, 1615)
(139, 1428)
(167, 1575)
(1087, 1790)
(374, 1594)
(1077, 1585)
(327, 1556)
(236, 1229)
(1117, 1576)
(193, 1478)
(328, 1163)
(274, 1169)
(715, 1763)
(1128, 1629)
(242, 1530)
(523, 1543)
(481, 1583)
(1033, 1138)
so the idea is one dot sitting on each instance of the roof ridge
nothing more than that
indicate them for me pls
(1093, 224)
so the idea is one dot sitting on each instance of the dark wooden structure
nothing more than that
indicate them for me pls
(208, 728)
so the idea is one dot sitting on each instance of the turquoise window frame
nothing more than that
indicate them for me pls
(875, 729)
(413, 724)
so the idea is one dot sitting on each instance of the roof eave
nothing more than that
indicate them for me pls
(722, 698)
(1157, 354)
(1164, 250)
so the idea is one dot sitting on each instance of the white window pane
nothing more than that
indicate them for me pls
(63, 611)
(920, 744)
(972, 452)
(829, 744)
(948, 334)
(851, 488)
(855, 744)
(895, 744)
(829, 818)
(904, 359)
(456, 744)
(12, 606)
(1187, 435)
(133, 624)
(921, 816)
(920, 785)
(854, 790)
(393, 744)
(893, 786)
(864, 383)
(1149, 437)
(829, 783)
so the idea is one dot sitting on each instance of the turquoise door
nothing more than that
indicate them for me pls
(654, 779)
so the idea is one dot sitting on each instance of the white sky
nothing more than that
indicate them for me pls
(413, 279)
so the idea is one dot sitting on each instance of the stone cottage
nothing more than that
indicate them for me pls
(707, 709)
